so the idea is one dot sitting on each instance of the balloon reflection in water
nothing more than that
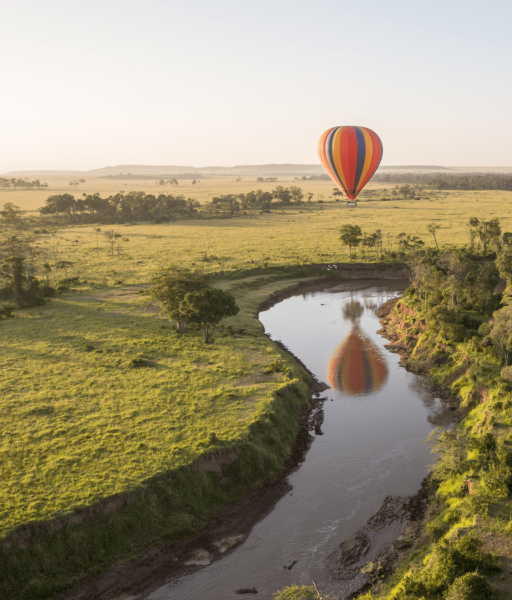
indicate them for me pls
(357, 366)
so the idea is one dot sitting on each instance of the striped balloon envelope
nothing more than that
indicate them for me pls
(350, 155)
(357, 366)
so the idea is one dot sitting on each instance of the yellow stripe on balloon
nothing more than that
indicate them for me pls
(337, 158)
(367, 159)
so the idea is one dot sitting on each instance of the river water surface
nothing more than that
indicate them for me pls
(370, 444)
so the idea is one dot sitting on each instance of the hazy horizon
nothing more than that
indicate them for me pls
(236, 83)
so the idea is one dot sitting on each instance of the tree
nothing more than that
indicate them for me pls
(47, 270)
(111, 236)
(16, 286)
(170, 287)
(351, 236)
(11, 214)
(282, 195)
(207, 307)
(65, 264)
(432, 227)
(296, 194)
(501, 332)
(338, 194)
(473, 225)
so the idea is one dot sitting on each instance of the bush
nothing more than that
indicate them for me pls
(6, 311)
(276, 366)
(451, 560)
(296, 592)
(471, 586)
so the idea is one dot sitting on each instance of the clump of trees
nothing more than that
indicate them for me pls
(185, 297)
(133, 206)
(373, 244)
(279, 197)
(17, 182)
(450, 181)
(17, 286)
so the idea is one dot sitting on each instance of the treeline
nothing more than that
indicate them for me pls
(278, 197)
(450, 181)
(133, 206)
(21, 183)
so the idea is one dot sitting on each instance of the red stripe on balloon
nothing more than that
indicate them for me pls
(349, 157)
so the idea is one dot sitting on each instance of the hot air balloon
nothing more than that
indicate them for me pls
(357, 366)
(350, 155)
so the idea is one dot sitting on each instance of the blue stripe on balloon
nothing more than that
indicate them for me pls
(361, 154)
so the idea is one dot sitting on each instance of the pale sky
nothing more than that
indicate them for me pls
(89, 83)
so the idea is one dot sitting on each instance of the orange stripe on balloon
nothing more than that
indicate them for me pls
(322, 153)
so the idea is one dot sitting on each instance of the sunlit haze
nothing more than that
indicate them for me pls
(194, 82)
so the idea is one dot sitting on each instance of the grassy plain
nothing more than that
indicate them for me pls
(82, 421)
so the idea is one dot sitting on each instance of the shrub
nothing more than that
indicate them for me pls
(451, 560)
(471, 586)
(276, 366)
(6, 311)
(296, 592)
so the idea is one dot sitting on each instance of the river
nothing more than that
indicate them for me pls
(370, 444)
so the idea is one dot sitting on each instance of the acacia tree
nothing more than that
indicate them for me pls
(170, 287)
(111, 236)
(432, 228)
(65, 264)
(337, 193)
(351, 236)
(207, 307)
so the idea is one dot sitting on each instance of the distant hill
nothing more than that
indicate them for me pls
(281, 170)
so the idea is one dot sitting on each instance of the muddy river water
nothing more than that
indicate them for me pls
(370, 444)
